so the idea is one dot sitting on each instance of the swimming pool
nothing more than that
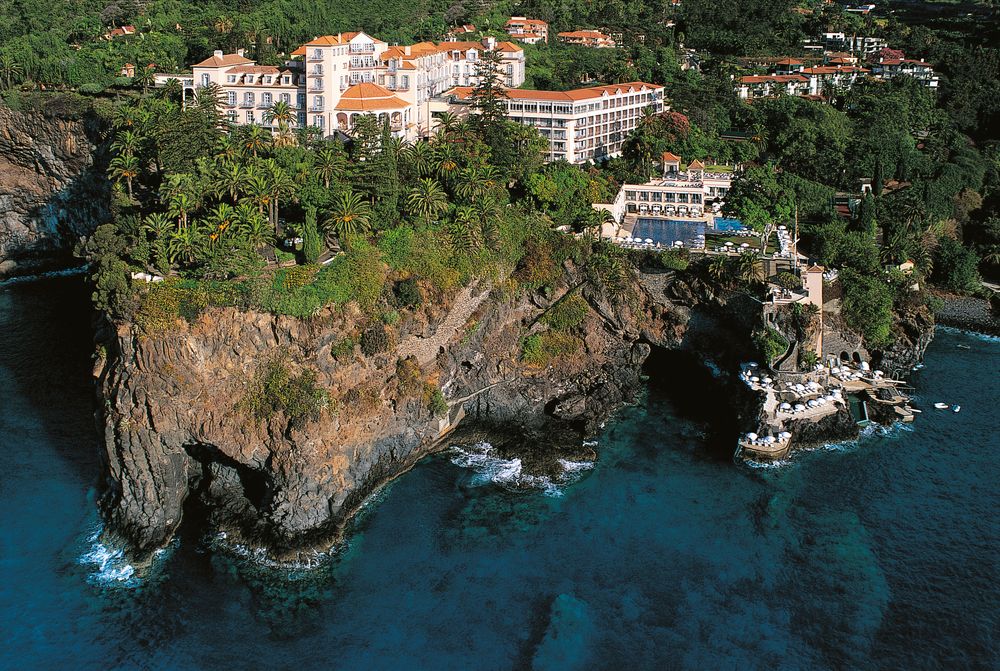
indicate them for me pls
(667, 231)
(728, 225)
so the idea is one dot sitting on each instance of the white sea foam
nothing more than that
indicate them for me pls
(509, 473)
(22, 279)
(110, 566)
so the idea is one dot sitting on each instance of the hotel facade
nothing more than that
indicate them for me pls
(332, 80)
(588, 124)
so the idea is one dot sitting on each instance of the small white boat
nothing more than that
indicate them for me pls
(941, 406)
(956, 408)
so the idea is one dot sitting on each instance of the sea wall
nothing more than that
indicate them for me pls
(53, 188)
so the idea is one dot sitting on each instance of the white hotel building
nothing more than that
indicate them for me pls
(331, 80)
(588, 124)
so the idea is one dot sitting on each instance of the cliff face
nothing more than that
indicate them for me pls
(176, 423)
(51, 191)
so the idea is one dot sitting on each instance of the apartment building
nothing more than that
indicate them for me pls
(588, 124)
(768, 86)
(587, 38)
(529, 31)
(866, 47)
(323, 81)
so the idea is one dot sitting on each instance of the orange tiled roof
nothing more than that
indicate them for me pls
(220, 61)
(255, 69)
(585, 34)
(696, 165)
(301, 51)
(334, 40)
(668, 156)
(369, 97)
(789, 61)
(526, 22)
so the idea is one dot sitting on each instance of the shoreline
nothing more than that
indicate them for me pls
(967, 313)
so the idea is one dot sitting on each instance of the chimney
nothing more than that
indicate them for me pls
(406, 50)
(490, 43)
(240, 52)
(217, 53)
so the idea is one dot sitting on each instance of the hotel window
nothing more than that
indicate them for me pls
(232, 116)
(231, 97)
(266, 100)
(249, 116)
(317, 53)
(267, 79)
(286, 98)
(318, 121)
(302, 118)
(318, 102)
(248, 98)
(205, 80)
(286, 80)
(300, 99)
(231, 79)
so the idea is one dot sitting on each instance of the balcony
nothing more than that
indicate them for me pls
(248, 104)
(314, 57)
(362, 64)
(316, 108)
(362, 48)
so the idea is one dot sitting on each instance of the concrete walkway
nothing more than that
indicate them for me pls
(426, 349)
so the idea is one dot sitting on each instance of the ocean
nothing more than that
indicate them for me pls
(878, 554)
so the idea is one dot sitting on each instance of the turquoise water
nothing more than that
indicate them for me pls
(881, 555)
(668, 231)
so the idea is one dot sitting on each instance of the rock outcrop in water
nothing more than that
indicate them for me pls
(52, 185)
(177, 424)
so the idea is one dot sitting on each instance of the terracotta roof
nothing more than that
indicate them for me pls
(696, 165)
(220, 61)
(585, 34)
(831, 70)
(788, 61)
(667, 156)
(333, 40)
(301, 51)
(369, 97)
(518, 21)
(463, 92)
(255, 69)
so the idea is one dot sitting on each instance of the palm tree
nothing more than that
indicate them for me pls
(158, 224)
(463, 228)
(420, 157)
(227, 148)
(178, 206)
(280, 113)
(144, 78)
(230, 179)
(749, 268)
(222, 217)
(427, 199)
(445, 162)
(124, 167)
(255, 139)
(447, 122)
(254, 228)
(349, 216)
(258, 190)
(183, 245)
(126, 116)
(718, 269)
(172, 89)
(126, 142)
(330, 164)
(9, 70)
(991, 255)
(281, 185)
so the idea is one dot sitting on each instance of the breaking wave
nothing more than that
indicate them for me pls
(109, 566)
(508, 473)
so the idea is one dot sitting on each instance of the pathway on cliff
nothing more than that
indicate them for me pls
(426, 349)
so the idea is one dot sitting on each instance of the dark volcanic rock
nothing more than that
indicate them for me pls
(53, 187)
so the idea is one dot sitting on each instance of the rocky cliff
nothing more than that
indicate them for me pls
(178, 424)
(52, 190)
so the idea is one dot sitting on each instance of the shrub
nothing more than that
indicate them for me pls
(408, 375)
(375, 340)
(867, 307)
(540, 349)
(343, 349)
(437, 403)
(770, 344)
(408, 294)
(787, 280)
(567, 314)
(808, 359)
(956, 267)
(274, 389)
(312, 245)
(675, 259)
